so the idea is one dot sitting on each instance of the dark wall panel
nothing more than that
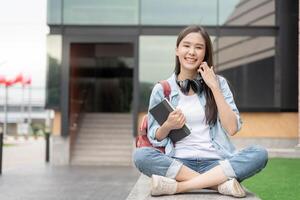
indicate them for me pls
(253, 85)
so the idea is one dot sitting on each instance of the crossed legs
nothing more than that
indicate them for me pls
(188, 179)
(150, 161)
(242, 165)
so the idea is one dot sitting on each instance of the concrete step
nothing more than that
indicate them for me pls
(90, 125)
(101, 161)
(110, 131)
(104, 139)
(281, 143)
(102, 135)
(283, 153)
(104, 147)
(111, 152)
(276, 147)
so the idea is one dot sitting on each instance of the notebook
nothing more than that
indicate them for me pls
(160, 112)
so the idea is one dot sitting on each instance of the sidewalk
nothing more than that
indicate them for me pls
(26, 176)
(67, 183)
(23, 152)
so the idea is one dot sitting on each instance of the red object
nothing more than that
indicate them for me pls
(9, 83)
(2, 79)
(26, 81)
(142, 139)
(17, 79)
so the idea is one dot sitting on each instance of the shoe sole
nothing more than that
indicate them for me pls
(238, 190)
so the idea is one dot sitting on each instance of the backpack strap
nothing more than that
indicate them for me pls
(166, 87)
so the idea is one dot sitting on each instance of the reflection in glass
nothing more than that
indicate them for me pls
(54, 57)
(178, 12)
(101, 76)
(235, 51)
(54, 11)
(101, 12)
(248, 64)
(247, 13)
(156, 62)
(166, 12)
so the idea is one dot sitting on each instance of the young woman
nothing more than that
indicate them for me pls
(206, 158)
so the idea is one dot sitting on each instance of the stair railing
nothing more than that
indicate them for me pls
(76, 116)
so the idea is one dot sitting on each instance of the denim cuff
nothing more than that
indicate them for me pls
(173, 169)
(227, 169)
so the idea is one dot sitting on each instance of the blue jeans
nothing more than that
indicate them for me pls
(241, 165)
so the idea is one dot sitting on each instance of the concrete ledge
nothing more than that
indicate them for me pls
(269, 143)
(141, 191)
(276, 147)
(59, 150)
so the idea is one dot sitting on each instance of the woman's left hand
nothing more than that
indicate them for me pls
(208, 75)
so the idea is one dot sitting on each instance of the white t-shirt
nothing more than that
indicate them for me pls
(198, 143)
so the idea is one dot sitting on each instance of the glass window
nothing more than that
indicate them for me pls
(247, 13)
(156, 62)
(235, 51)
(178, 12)
(54, 56)
(166, 12)
(248, 64)
(54, 11)
(101, 12)
(102, 76)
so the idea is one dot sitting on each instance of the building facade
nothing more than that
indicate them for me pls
(25, 107)
(105, 56)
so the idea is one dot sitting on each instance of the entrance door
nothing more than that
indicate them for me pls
(102, 76)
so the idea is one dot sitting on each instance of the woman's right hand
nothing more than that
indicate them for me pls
(175, 120)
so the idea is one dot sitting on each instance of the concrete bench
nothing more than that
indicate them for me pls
(141, 191)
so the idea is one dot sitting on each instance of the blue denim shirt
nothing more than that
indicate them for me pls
(219, 136)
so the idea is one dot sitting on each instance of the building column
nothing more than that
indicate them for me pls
(298, 146)
(59, 145)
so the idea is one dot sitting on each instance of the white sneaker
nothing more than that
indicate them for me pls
(162, 185)
(231, 187)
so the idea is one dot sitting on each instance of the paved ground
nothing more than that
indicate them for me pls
(26, 177)
(22, 153)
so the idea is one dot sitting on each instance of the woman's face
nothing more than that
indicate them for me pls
(191, 51)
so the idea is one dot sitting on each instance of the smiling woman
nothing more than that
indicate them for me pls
(206, 158)
(191, 52)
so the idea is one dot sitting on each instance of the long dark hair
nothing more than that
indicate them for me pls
(211, 111)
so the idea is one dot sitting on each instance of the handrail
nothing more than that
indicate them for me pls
(76, 115)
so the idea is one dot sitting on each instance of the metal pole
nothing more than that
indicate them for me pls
(22, 106)
(298, 145)
(1, 149)
(48, 128)
(47, 135)
(29, 109)
(5, 111)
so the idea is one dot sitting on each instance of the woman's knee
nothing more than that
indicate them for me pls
(249, 161)
(142, 156)
(260, 155)
(151, 161)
